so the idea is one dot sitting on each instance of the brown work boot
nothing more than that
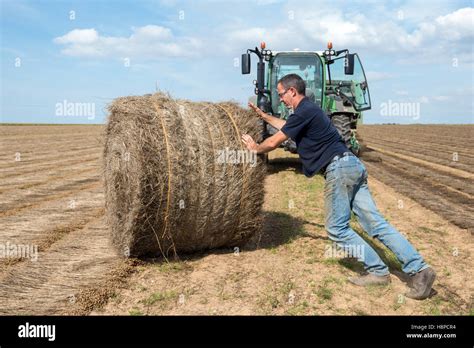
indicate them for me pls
(421, 284)
(370, 279)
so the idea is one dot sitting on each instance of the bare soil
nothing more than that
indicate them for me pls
(52, 198)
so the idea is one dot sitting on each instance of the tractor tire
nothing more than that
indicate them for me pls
(343, 125)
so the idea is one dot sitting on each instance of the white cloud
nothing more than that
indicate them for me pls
(152, 32)
(150, 41)
(310, 29)
(275, 38)
(78, 36)
(457, 25)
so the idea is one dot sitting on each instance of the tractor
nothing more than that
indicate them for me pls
(335, 81)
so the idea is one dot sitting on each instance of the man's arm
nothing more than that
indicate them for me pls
(276, 122)
(268, 145)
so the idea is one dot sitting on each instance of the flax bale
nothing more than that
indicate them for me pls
(166, 190)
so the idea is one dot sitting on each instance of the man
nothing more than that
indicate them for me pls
(322, 150)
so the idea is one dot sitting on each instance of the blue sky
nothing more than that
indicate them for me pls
(56, 53)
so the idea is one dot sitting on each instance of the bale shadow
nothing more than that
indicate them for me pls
(284, 164)
(278, 229)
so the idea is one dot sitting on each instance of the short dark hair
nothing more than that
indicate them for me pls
(295, 81)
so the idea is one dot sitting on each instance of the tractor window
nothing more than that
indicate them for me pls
(353, 86)
(308, 66)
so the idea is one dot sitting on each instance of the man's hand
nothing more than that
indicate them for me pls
(276, 122)
(256, 109)
(249, 142)
(269, 144)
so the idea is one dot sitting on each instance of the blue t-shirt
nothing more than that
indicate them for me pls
(316, 138)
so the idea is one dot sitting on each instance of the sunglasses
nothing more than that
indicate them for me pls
(283, 93)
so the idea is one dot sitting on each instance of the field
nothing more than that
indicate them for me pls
(433, 165)
(51, 198)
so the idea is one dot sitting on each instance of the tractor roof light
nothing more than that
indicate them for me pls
(262, 45)
(329, 45)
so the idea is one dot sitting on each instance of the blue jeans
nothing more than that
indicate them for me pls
(346, 190)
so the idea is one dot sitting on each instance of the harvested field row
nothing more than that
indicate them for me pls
(420, 146)
(428, 196)
(32, 131)
(33, 158)
(464, 162)
(421, 143)
(458, 173)
(56, 204)
(17, 206)
(450, 188)
(50, 285)
(429, 134)
(454, 143)
(59, 140)
(35, 224)
(15, 172)
(438, 174)
(45, 238)
(421, 140)
(23, 186)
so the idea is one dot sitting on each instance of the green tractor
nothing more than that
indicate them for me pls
(335, 81)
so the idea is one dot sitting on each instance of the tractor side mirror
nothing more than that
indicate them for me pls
(348, 64)
(245, 63)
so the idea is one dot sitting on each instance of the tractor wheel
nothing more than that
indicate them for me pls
(343, 126)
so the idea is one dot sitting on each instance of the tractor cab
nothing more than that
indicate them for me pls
(307, 65)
